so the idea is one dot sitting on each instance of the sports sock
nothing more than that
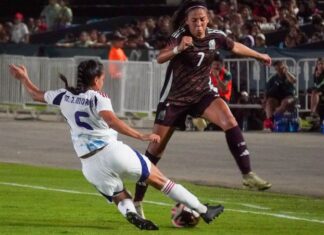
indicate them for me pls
(125, 206)
(141, 187)
(180, 194)
(238, 149)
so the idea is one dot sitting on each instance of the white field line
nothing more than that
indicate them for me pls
(242, 204)
(283, 216)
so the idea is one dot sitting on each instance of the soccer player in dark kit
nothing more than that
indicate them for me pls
(190, 50)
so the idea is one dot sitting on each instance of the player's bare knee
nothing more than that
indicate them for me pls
(156, 179)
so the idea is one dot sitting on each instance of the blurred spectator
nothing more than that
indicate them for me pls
(65, 15)
(264, 10)
(31, 25)
(4, 37)
(19, 31)
(94, 36)
(84, 41)
(117, 53)
(223, 9)
(260, 41)
(102, 40)
(246, 13)
(280, 91)
(41, 25)
(163, 26)
(221, 78)
(68, 38)
(51, 13)
(318, 89)
(292, 7)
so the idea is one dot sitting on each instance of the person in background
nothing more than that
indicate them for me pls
(51, 13)
(116, 53)
(280, 91)
(65, 15)
(260, 41)
(83, 41)
(221, 78)
(19, 31)
(4, 37)
(318, 89)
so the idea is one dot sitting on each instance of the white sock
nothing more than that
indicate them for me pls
(179, 194)
(125, 206)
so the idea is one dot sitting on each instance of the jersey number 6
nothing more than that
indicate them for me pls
(78, 115)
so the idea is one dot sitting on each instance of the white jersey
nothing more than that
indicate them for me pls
(88, 130)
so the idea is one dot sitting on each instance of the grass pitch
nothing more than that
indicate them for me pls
(39, 200)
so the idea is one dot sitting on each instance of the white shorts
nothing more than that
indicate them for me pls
(107, 169)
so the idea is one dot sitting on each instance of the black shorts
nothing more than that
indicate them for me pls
(175, 115)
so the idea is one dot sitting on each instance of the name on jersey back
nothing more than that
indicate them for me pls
(78, 100)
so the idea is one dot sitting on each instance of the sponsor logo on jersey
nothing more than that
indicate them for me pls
(212, 44)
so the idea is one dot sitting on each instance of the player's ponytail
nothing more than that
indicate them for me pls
(87, 71)
(179, 17)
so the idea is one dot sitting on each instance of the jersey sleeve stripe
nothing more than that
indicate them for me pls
(178, 32)
(210, 30)
(58, 98)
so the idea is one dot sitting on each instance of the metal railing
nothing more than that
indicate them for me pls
(138, 85)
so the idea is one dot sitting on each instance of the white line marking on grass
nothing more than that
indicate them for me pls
(48, 189)
(242, 204)
(290, 217)
(278, 215)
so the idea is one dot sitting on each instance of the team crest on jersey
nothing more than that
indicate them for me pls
(212, 44)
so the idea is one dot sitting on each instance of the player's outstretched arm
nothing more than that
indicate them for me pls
(121, 127)
(243, 50)
(20, 73)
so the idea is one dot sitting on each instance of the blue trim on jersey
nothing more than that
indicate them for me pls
(96, 101)
(145, 172)
(58, 98)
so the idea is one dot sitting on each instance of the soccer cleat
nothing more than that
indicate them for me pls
(140, 223)
(253, 181)
(212, 213)
(139, 209)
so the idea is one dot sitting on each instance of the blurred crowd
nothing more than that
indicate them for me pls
(245, 21)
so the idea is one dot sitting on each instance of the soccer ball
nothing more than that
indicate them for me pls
(182, 216)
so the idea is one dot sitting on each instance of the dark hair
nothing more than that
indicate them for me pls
(178, 18)
(218, 57)
(277, 63)
(87, 71)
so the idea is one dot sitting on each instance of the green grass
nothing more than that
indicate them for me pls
(30, 210)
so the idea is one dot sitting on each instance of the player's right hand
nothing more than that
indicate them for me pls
(18, 71)
(154, 138)
(186, 42)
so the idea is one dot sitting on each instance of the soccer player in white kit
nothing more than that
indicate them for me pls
(105, 160)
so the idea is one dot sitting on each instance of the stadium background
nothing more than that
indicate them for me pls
(293, 161)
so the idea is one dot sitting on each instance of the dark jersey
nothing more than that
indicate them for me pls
(279, 87)
(319, 82)
(187, 77)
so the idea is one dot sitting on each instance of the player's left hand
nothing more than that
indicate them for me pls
(154, 138)
(265, 59)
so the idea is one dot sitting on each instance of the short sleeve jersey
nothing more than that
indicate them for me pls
(187, 76)
(88, 130)
(319, 81)
(279, 87)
